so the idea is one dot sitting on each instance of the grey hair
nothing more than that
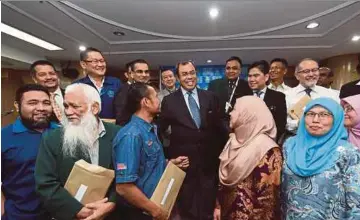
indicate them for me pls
(91, 94)
(297, 68)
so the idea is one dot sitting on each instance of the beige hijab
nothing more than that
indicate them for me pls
(254, 135)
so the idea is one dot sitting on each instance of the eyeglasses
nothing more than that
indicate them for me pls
(348, 108)
(307, 71)
(321, 115)
(94, 62)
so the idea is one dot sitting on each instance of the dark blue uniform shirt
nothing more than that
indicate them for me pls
(108, 92)
(19, 148)
(138, 155)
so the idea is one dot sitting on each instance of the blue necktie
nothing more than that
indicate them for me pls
(195, 111)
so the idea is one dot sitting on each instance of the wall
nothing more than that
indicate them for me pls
(343, 67)
(11, 80)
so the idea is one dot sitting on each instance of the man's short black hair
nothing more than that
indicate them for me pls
(280, 60)
(84, 54)
(134, 62)
(182, 64)
(262, 65)
(137, 91)
(37, 63)
(27, 88)
(128, 65)
(234, 58)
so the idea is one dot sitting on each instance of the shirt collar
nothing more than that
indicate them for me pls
(358, 83)
(102, 130)
(184, 91)
(58, 92)
(93, 81)
(301, 88)
(19, 127)
(142, 122)
(282, 85)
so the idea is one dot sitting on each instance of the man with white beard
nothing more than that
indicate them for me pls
(83, 136)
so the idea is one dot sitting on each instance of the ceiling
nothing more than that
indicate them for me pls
(165, 32)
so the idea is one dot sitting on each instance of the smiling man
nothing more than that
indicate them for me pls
(43, 73)
(19, 147)
(168, 80)
(307, 72)
(196, 132)
(138, 71)
(257, 77)
(94, 65)
(278, 69)
(83, 136)
(229, 88)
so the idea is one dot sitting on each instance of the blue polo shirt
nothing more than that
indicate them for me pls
(19, 148)
(138, 155)
(110, 88)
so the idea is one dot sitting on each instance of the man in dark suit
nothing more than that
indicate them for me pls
(138, 71)
(257, 77)
(196, 131)
(351, 88)
(43, 73)
(231, 87)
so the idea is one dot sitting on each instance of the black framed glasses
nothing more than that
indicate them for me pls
(307, 71)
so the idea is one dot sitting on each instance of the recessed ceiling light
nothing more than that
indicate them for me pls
(312, 25)
(213, 12)
(209, 61)
(28, 38)
(355, 38)
(82, 48)
(118, 33)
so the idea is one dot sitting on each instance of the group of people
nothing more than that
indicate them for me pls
(244, 156)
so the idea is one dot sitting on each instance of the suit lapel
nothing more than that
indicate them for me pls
(184, 109)
(224, 90)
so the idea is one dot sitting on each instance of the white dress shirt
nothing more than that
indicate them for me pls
(281, 88)
(295, 94)
(94, 82)
(94, 150)
(194, 95)
(262, 95)
(59, 99)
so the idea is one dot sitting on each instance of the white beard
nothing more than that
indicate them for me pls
(80, 137)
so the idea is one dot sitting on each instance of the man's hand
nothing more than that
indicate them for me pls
(217, 214)
(84, 213)
(159, 214)
(100, 209)
(182, 162)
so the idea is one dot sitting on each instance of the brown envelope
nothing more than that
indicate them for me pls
(88, 182)
(168, 187)
(296, 111)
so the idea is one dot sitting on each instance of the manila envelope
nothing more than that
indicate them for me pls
(168, 188)
(297, 110)
(88, 182)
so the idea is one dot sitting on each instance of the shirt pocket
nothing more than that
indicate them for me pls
(152, 151)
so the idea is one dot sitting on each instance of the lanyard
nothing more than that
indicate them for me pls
(228, 103)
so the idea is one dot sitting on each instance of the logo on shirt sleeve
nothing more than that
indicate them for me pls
(121, 166)
(111, 93)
